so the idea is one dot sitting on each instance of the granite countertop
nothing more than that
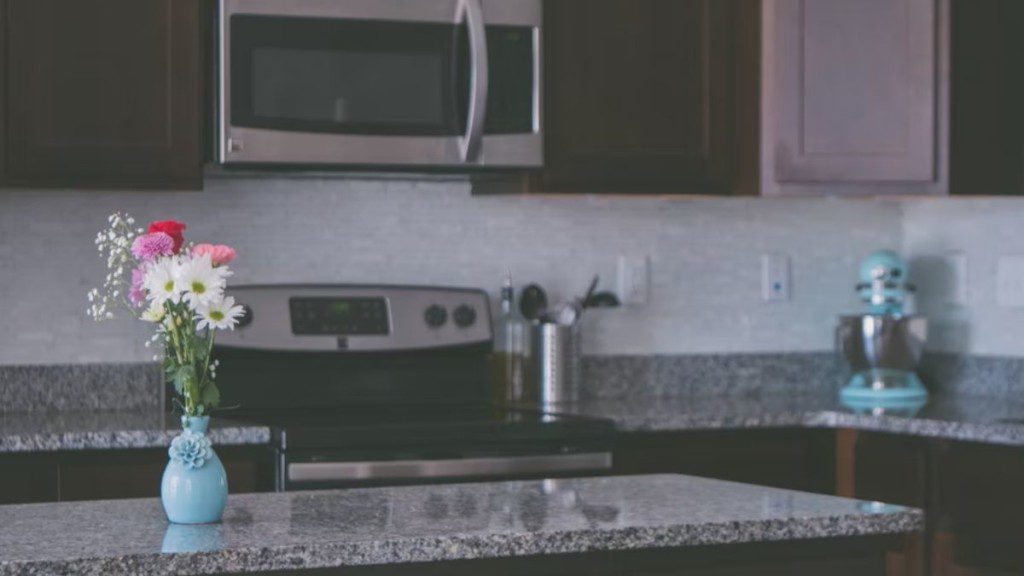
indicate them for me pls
(263, 532)
(50, 432)
(990, 419)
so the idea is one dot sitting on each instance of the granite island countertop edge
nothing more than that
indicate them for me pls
(464, 547)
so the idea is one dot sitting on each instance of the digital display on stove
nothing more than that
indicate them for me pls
(323, 316)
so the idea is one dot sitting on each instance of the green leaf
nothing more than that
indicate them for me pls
(184, 380)
(211, 395)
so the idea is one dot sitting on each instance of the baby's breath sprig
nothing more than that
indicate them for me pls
(114, 244)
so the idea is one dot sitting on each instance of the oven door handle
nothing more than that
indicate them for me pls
(471, 12)
(454, 468)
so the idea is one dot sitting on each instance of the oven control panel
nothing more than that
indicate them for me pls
(358, 318)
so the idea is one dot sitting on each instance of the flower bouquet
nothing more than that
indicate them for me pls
(179, 288)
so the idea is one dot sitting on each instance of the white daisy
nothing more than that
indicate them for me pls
(155, 313)
(199, 282)
(219, 315)
(159, 281)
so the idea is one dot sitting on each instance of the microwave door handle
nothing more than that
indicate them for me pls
(472, 13)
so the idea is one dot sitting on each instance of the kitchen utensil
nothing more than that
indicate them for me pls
(590, 291)
(565, 313)
(533, 302)
(603, 300)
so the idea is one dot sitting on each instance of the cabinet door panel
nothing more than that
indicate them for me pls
(785, 458)
(987, 119)
(640, 95)
(104, 92)
(856, 90)
(25, 479)
(137, 473)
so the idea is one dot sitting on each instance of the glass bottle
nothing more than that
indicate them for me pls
(511, 347)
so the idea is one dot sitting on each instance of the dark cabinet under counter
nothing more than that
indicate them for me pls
(115, 474)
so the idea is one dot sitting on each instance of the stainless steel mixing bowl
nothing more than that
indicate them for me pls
(871, 341)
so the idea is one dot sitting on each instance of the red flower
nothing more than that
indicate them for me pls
(172, 228)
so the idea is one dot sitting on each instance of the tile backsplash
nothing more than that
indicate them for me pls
(972, 314)
(705, 256)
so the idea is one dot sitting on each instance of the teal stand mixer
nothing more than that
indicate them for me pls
(884, 345)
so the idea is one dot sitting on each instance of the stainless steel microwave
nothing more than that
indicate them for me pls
(401, 83)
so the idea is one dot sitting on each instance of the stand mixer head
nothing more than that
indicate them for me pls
(883, 283)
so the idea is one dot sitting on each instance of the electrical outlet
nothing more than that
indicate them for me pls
(634, 280)
(1010, 281)
(776, 277)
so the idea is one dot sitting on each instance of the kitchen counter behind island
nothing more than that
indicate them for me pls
(582, 520)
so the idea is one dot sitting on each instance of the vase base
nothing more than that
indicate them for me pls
(193, 522)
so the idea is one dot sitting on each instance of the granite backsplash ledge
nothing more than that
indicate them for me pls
(632, 376)
(951, 373)
(611, 377)
(81, 387)
(139, 386)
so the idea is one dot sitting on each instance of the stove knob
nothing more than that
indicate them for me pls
(435, 316)
(246, 318)
(464, 316)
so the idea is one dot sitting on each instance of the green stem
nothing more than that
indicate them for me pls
(206, 364)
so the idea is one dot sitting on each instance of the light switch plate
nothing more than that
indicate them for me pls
(776, 277)
(1010, 281)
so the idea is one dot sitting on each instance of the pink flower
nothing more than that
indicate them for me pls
(149, 247)
(136, 293)
(219, 254)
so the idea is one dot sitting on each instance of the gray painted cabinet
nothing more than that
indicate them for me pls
(855, 96)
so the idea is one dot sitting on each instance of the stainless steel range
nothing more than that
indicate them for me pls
(369, 385)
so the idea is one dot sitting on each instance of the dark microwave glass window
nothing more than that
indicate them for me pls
(340, 83)
(344, 76)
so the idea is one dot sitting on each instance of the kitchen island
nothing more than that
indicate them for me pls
(595, 525)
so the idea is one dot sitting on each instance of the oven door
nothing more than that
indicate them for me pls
(445, 83)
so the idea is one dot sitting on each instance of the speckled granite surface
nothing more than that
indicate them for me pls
(612, 377)
(37, 432)
(627, 376)
(991, 419)
(80, 387)
(949, 373)
(264, 532)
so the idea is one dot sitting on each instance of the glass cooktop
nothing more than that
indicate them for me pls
(365, 425)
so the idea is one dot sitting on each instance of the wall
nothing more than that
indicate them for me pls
(705, 256)
(983, 231)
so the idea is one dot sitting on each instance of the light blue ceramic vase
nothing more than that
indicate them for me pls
(194, 489)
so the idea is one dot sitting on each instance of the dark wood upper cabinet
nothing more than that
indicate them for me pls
(987, 116)
(650, 95)
(103, 93)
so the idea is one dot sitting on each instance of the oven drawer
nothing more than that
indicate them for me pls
(317, 472)
(456, 468)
